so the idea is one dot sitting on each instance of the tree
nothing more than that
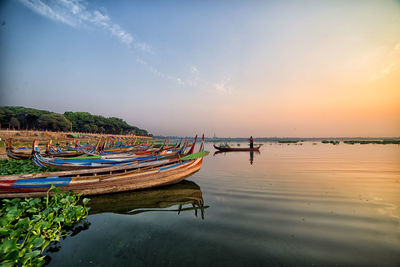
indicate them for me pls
(14, 123)
(55, 122)
(29, 118)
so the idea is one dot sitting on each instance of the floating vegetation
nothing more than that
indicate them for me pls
(28, 226)
(12, 166)
(378, 142)
(333, 142)
(288, 141)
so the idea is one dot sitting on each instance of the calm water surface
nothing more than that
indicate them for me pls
(289, 205)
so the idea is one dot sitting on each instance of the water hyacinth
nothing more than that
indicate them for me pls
(12, 166)
(28, 226)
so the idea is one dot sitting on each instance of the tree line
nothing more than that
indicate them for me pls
(19, 118)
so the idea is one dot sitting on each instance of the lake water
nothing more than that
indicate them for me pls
(289, 205)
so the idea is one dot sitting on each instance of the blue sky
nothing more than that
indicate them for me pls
(262, 68)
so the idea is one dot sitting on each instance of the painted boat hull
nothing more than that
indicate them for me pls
(96, 184)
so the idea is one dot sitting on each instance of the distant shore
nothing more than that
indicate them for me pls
(285, 139)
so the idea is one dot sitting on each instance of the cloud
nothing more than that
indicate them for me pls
(382, 73)
(47, 11)
(194, 70)
(160, 74)
(144, 47)
(392, 56)
(75, 13)
(222, 88)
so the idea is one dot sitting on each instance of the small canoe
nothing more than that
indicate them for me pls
(256, 148)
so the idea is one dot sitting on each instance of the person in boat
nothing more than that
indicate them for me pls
(251, 142)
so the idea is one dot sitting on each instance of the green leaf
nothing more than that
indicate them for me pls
(12, 255)
(7, 264)
(8, 245)
(13, 211)
(33, 254)
(85, 201)
(38, 242)
(4, 231)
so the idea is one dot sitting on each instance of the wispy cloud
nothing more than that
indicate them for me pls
(397, 46)
(160, 74)
(48, 11)
(390, 66)
(222, 87)
(76, 13)
(382, 73)
(194, 70)
(195, 80)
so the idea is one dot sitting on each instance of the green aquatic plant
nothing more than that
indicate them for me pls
(288, 141)
(28, 226)
(330, 142)
(377, 142)
(12, 166)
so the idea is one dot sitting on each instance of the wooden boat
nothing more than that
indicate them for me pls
(256, 148)
(14, 153)
(95, 162)
(26, 153)
(102, 180)
(60, 153)
(149, 200)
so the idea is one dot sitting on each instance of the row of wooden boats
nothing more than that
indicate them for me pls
(138, 167)
(101, 148)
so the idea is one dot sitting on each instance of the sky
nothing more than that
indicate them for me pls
(231, 68)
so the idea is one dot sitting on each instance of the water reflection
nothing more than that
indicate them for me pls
(306, 205)
(185, 193)
(55, 246)
(250, 152)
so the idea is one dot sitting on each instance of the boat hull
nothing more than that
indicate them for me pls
(225, 149)
(91, 185)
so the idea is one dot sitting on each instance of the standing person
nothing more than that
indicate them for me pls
(251, 142)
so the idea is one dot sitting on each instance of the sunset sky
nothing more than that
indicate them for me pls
(233, 68)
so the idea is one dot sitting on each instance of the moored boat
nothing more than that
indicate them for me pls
(103, 180)
(227, 148)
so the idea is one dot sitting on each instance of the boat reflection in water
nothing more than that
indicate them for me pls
(185, 193)
(251, 154)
